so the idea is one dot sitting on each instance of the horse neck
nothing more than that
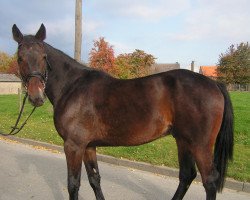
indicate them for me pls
(63, 73)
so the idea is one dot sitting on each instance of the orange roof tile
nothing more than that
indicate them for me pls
(209, 71)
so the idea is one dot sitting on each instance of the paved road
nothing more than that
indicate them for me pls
(27, 172)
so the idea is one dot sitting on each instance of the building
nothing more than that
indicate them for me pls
(163, 67)
(209, 71)
(9, 84)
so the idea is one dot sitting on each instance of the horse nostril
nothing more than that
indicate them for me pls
(37, 101)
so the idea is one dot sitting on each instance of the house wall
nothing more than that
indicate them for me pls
(10, 87)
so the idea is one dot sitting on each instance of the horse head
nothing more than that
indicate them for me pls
(32, 62)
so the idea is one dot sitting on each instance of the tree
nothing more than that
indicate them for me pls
(123, 66)
(13, 67)
(234, 65)
(128, 65)
(102, 56)
(132, 65)
(8, 64)
(5, 61)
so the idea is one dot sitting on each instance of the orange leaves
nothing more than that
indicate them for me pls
(8, 64)
(128, 65)
(102, 56)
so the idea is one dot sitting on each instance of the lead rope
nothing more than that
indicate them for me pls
(15, 129)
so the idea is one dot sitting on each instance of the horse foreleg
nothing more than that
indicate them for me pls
(91, 166)
(187, 171)
(74, 156)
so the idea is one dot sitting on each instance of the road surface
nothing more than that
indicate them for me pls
(27, 172)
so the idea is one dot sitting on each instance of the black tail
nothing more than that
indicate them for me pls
(223, 150)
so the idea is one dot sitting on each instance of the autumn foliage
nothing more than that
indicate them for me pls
(135, 64)
(102, 56)
(13, 67)
(128, 65)
(8, 64)
(5, 60)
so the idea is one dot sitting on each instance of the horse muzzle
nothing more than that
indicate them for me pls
(37, 100)
(36, 93)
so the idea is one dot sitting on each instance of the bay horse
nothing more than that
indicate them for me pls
(92, 108)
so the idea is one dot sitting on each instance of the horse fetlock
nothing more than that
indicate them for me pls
(211, 188)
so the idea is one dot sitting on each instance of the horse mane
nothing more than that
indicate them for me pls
(52, 51)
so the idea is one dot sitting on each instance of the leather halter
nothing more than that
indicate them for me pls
(42, 76)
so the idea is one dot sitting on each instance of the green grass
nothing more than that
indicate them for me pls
(240, 168)
(39, 127)
(160, 152)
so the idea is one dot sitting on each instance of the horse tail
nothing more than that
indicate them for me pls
(223, 151)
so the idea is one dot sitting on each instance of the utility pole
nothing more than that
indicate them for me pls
(78, 30)
(192, 66)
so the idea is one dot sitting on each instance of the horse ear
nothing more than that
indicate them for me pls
(17, 35)
(41, 33)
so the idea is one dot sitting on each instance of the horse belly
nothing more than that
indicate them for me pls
(136, 134)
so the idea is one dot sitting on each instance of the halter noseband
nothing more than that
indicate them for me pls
(42, 76)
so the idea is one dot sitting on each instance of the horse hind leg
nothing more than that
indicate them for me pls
(187, 171)
(94, 177)
(209, 174)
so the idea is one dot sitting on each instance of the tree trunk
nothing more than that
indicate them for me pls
(78, 30)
